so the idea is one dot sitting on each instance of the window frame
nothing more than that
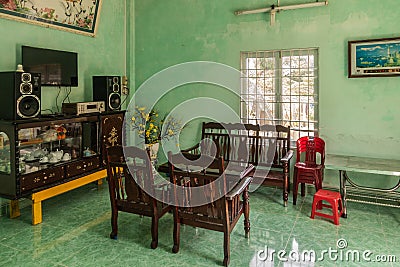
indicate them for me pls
(276, 56)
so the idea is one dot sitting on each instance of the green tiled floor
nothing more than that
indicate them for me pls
(76, 226)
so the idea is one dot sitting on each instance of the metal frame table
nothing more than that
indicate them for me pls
(386, 167)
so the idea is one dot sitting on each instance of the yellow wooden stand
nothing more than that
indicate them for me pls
(38, 197)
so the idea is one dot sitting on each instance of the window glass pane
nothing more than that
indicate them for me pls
(282, 88)
(294, 62)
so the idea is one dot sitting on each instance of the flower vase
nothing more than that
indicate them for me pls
(153, 151)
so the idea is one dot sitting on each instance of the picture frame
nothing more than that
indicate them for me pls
(69, 15)
(374, 58)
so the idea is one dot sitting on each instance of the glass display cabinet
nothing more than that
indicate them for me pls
(40, 153)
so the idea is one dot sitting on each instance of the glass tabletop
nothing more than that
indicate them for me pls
(363, 164)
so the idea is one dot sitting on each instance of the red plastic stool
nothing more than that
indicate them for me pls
(335, 201)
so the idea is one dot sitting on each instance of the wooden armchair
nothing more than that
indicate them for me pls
(132, 188)
(206, 199)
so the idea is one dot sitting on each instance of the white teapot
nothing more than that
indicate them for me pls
(58, 154)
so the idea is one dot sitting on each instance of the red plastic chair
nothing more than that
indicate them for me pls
(308, 170)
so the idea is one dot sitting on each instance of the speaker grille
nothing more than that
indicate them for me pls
(28, 106)
(25, 88)
(114, 101)
(26, 77)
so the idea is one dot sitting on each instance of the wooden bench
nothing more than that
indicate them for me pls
(267, 147)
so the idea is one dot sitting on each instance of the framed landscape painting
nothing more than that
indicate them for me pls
(374, 58)
(78, 16)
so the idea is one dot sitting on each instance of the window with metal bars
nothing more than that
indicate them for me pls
(281, 87)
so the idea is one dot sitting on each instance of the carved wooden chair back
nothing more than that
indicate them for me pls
(200, 173)
(273, 145)
(201, 179)
(263, 145)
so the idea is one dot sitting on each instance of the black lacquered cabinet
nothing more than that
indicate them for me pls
(111, 125)
(39, 153)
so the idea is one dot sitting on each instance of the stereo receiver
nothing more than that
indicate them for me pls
(79, 108)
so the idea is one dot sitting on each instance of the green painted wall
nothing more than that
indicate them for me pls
(140, 38)
(357, 116)
(102, 55)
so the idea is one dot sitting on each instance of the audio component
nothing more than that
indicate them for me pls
(23, 91)
(108, 89)
(79, 108)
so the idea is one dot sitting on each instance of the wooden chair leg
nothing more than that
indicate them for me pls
(226, 248)
(154, 232)
(285, 193)
(177, 227)
(114, 224)
(246, 211)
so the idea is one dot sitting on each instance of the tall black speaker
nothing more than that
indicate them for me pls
(108, 89)
(20, 95)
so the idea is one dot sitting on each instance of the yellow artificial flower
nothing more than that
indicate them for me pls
(149, 127)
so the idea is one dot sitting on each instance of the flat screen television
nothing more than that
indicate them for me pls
(58, 68)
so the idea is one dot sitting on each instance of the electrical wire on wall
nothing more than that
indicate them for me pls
(67, 92)
(47, 109)
(58, 94)
(123, 101)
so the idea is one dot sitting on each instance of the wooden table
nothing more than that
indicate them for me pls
(364, 194)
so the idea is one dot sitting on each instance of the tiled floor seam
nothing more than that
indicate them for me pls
(384, 232)
(294, 225)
